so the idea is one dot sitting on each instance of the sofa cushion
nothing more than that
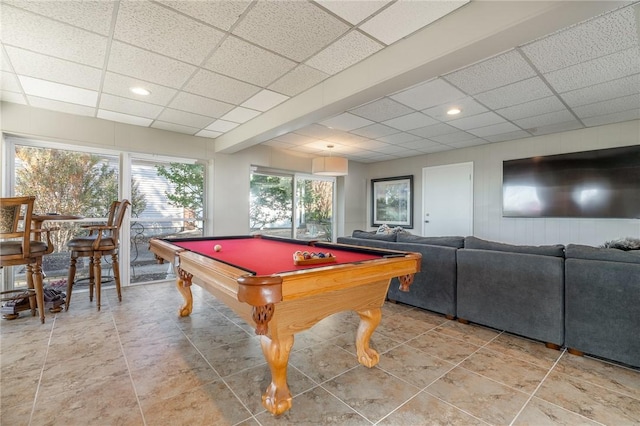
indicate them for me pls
(578, 251)
(456, 242)
(373, 236)
(556, 250)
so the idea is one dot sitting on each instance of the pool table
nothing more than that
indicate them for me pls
(258, 277)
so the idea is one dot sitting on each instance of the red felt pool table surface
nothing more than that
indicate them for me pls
(264, 256)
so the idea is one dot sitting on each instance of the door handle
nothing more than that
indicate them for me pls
(426, 221)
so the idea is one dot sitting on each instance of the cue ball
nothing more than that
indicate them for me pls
(217, 247)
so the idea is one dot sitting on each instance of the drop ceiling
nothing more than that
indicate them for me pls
(372, 78)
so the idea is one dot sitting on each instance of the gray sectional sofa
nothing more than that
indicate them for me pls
(584, 298)
(519, 289)
(434, 287)
(602, 303)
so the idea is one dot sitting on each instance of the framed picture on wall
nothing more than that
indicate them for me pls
(392, 201)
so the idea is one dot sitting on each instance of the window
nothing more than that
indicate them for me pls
(173, 197)
(167, 197)
(273, 196)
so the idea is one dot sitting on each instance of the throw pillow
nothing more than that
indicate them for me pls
(623, 244)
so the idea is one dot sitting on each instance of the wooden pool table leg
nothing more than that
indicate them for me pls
(183, 283)
(369, 320)
(277, 398)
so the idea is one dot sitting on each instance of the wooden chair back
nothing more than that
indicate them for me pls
(116, 215)
(15, 226)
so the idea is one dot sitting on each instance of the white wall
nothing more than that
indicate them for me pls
(488, 221)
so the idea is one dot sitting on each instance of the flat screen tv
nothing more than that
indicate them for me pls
(604, 183)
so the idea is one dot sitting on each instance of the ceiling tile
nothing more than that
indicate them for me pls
(381, 109)
(435, 148)
(160, 30)
(353, 11)
(120, 85)
(58, 92)
(410, 121)
(475, 121)
(94, 16)
(5, 65)
(616, 65)
(394, 150)
(42, 35)
(316, 131)
(603, 91)
(371, 144)
(240, 115)
(514, 94)
(557, 127)
(185, 118)
(346, 51)
(617, 117)
(346, 121)
(468, 106)
(509, 136)
(420, 144)
(200, 105)
(529, 109)
(450, 138)
(222, 126)
(405, 17)
(467, 143)
(129, 106)
(172, 127)
(139, 63)
(220, 87)
(344, 138)
(264, 100)
(61, 106)
(298, 80)
(243, 61)
(495, 72)
(399, 138)
(294, 138)
(434, 130)
(221, 14)
(545, 119)
(9, 82)
(208, 134)
(601, 36)
(495, 129)
(54, 69)
(610, 106)
(294, 29)
(375, 131)
(124, 118)
(429, 94)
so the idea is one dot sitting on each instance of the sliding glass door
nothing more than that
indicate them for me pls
(291, 205)
(167, 197)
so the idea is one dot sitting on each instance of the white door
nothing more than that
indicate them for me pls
(447, 200)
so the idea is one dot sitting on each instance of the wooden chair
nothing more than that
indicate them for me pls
(20, 248)
(102, 240)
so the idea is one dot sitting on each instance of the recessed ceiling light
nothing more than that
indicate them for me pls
(140, 91)
(453, 111)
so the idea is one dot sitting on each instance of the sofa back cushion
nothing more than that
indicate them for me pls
(455, 242)
(577, 251)
(556, 250)
(373, 236)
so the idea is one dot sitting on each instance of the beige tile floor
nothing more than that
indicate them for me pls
(138, 363)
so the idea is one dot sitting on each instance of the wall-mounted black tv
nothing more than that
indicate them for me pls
(604, 183)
